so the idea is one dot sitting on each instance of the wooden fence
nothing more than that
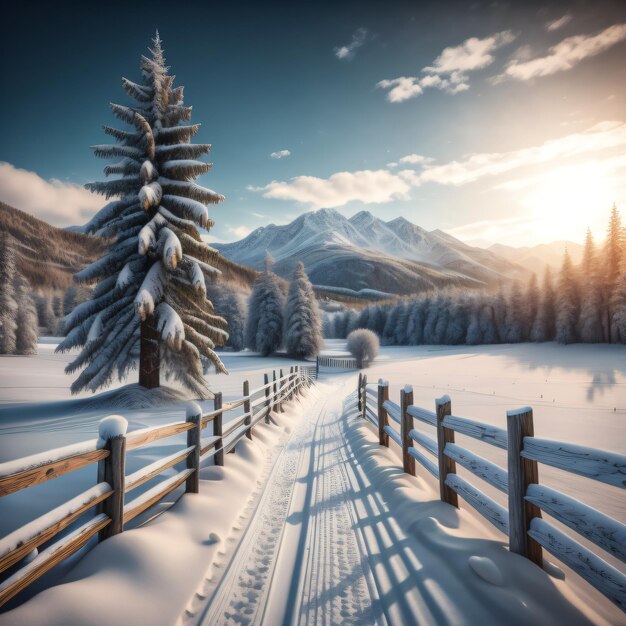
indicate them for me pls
(528, 533)
(339, 362)
(112, 484)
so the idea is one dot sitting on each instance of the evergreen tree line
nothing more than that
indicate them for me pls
(18, 316)
(584, 303)
(274, 322)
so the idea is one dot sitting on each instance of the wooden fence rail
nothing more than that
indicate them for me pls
(522, 521)
(112, 484)
(337, 362)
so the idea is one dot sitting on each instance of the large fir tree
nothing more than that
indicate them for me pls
(303, 330)
(264, 327)
(590, 322)
(567, 304)
(150, 301)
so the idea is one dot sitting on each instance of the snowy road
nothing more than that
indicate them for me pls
(340, 535)
(300, 560)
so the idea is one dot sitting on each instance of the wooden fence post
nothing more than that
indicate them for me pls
(274, 402)
(364, 396)
(446, 464)
(522, 472)
(112, 433)
(317, 367)
(217, 429)
(406, 425)
(194, 415)
(290, 392)
(246, 408)
(358, 392)
(383, 418)
(266, 382)
(281, 386)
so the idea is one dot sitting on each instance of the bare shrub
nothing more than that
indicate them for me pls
(363, 344)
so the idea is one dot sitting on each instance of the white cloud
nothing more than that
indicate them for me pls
(239, 231)
(556, 24)
(473, 54)
(281, 154)
(416, 159)
(58, 203)
(449, 70)
(348, 52)
(382, 186)
(602, 136)
(367, 186)
(565, 55)
(401, 89)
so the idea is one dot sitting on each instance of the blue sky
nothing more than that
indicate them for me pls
(493, 121)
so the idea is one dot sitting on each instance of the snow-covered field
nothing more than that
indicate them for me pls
(304, 525)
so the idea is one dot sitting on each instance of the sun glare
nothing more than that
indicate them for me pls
(566, 201)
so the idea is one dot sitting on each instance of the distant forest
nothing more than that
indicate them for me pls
(584, 303)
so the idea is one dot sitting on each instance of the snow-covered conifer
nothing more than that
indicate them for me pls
(614, 251)
(544, 326)
(567, 303)
(233, 309)
(531, 306)
(8, 305)
(303, 331)
(264, 327)
(488, 324)
(26, 319)
(391, 325)
(416, 321)
(590, 322)
(150, 301)
(514, 319)
(402, 325)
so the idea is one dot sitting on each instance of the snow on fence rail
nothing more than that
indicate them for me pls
(112, 483)
(528, 533)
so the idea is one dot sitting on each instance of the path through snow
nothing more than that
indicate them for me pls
(341, 535)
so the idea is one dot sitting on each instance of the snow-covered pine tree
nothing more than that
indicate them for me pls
(400, 337)
(26, 319)
(391, 324)
(488, 324)
(8, 305)
(303, 330)
(567, 303)
(613, 253)
(544, 326)
(514, 319)
(150, 302)
(264, 327)
(233, 310)
(618, 302)
(531, 305)
(590, 322)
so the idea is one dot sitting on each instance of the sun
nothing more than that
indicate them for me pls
(568, 200)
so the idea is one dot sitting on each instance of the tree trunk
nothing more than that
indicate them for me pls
(149, 354)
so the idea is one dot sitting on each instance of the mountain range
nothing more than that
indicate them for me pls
(365, 252)
(535, 258)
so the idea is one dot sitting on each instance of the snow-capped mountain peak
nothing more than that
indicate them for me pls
(325, 241)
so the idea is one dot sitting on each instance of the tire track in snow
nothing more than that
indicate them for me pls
(336, 587)
(242, 594)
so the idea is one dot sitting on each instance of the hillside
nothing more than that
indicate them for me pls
(364, 252)
(49, 256)
(535, 258)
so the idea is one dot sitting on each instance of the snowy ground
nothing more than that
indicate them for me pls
(329, 524)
